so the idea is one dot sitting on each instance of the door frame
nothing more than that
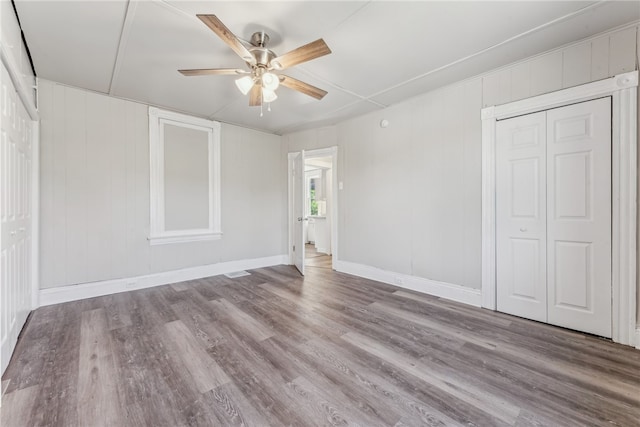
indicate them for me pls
(321, 152)
(624, 172)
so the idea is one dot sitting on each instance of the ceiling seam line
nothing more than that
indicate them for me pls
(122, 43)
(176, 9)
(490, 48)
(340, 88)
(366, 4)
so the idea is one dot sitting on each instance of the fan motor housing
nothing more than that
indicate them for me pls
(262, 55)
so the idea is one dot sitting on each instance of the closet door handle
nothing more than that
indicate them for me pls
(523, 229)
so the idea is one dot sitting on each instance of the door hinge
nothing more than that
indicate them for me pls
(294, 248)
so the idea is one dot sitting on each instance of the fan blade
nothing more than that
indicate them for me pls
(227, 36)
(302, 54)
(303, 87)
(212, 71)
(255, 96)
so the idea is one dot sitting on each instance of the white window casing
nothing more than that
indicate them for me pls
(158, 233)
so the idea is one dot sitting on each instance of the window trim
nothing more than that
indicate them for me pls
(308, 176)
(157, 233)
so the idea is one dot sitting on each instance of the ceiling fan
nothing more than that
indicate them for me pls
(260, 81)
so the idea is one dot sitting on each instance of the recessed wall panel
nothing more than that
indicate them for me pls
(573, 128)
(573, 275)
(525, 137)
(524, 188)
(526, 264)
(186, 178)
(573, 185)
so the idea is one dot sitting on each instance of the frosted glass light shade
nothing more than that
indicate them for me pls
(244, 84)
(268, 95)
(270, 81)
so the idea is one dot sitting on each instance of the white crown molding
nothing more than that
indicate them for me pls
(107, 287)
(561, 97)
(449, 291)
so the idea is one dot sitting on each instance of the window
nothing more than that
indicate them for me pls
(185, 178)
(315, 202)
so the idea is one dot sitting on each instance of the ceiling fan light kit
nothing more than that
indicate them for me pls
(245, 84)
(260, 82)
(270, 81)
(268, 95)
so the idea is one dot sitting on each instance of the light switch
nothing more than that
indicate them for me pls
(340, 186)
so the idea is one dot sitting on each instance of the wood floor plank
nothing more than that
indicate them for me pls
(276, 348)
(324, 408)
(56, 403)
(408, 394)
(201, 323)
(502, 410)
(232, 407)
(254, 376)
(146, 379)
(117, 308)
(250, 325)
(487, 315)
(206, 288)
(17, 406)
(205, 372)
(619, 392)
(361, 383)
(98, 397)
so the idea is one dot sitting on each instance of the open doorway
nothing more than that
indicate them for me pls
(318, 194)
(313, 210)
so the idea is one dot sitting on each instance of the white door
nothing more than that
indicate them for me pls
(553, 216)
(15, 217)
(298, 211)
(579, 216)
(520, 217)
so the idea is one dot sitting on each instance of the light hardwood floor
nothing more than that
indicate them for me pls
(315, 259)
(330, 349)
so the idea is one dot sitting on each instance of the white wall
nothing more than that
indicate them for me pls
(411, 201)
(95, 193)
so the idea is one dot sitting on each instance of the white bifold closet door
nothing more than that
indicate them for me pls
(553, 216)
(15, 217)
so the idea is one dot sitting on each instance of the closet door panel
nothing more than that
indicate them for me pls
(579, 216)
(520, 216)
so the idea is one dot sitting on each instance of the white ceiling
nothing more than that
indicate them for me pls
(383, 51)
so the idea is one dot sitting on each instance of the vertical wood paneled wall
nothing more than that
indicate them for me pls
(94, 181)
(411, 202)
(588, 61)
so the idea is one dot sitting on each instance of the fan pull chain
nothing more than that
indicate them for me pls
(261, 110)
(269, 107)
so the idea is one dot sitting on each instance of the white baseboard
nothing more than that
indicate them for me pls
(449, 291)
(638, 338)
(106, 287)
